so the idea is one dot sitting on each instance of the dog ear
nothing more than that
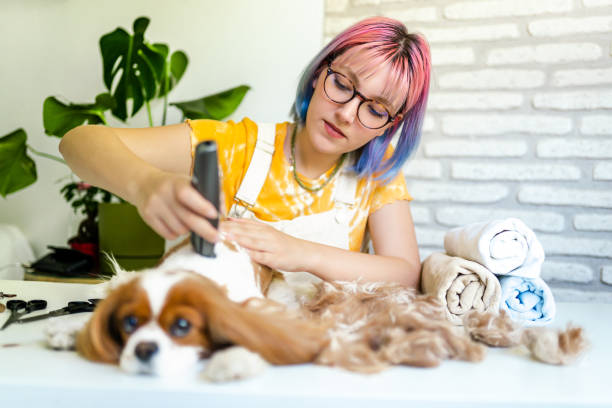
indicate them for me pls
(100, 340)
(263, 327)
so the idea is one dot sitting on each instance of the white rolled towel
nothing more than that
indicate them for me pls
(505, 247)
(460, 284)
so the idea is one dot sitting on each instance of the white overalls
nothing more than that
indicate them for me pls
(329, 227)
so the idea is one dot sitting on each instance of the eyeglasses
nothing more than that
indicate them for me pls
(340, 89)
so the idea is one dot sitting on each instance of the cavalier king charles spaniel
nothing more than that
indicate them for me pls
(191, 312)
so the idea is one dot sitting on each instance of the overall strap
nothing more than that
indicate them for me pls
(346, 187)
(258, 169)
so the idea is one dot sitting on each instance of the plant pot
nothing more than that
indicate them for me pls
(124, 235)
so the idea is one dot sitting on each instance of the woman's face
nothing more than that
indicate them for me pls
(334, 128)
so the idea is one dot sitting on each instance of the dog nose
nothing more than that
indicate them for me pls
(145, 350)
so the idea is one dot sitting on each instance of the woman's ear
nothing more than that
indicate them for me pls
(100, 340)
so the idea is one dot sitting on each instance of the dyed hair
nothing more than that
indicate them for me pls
(385, 41)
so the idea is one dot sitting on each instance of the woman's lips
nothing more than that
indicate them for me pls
(333, 131)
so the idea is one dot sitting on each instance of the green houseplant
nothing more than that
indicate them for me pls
(135, 73)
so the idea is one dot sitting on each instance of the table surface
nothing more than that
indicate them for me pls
(30, 373)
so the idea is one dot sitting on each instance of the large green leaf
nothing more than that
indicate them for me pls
(132, 68)
(217, 106)
(17, 170)
(59, 118)
(173, 71)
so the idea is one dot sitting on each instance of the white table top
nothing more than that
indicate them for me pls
(32, 374)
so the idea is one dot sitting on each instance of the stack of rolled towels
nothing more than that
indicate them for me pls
(490, 266)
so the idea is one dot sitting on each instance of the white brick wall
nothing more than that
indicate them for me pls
(420, 214)
(566, 272)
(425, 14)
(606, 274)
(427, 169)
(469, 148)
(583, 100)
(517, 172)
(554, 27)
(537, 220)
(452, 56)
(560, 245)
(470, 33)
(602, 171)
(593, 222)
(597, 3)
(458, 192)
(596, 125)
(430, 237)
(544, 54)
(542, 194)
(583, 148)
(503, 8)
(474, 100)
(496, 124)
(582, 77)
(493, 79)
(519, 124)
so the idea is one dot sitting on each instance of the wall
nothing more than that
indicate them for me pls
(51, 48)
(518, 125)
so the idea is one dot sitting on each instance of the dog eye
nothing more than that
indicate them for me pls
(130, 323)
(180, 327)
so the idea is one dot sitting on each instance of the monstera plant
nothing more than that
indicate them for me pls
(135, 73)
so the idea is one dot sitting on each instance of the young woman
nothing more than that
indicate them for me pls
(301, 196)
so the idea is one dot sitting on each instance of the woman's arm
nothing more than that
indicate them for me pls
(392, 232)
(148, 167)
(121, 160)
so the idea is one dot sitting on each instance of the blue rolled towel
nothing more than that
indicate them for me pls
(527, 300)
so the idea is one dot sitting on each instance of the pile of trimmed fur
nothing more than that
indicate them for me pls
(374, 326)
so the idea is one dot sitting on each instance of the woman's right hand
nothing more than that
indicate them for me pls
(172, 207)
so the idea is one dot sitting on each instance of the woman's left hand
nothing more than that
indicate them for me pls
(267, 245)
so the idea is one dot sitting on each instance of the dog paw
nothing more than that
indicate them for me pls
(234, 363)
(60, 333)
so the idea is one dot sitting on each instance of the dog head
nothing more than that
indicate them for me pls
(166, 322)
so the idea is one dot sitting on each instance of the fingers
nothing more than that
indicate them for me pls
(174, 208)
(248, 235)
(161, 228)
(260, 257)
(190, 198)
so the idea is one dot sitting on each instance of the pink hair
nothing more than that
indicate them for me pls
(385, 41)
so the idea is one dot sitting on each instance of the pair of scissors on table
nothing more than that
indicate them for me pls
(16, 305)
(71, 308)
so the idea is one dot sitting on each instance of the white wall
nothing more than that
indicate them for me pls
(51, 48)
(518, 124)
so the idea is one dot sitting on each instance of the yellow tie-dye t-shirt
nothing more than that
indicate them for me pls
(281, 198)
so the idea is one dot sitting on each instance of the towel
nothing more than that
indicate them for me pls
(505, 247)
(527, 300)
(460, 284)
(14, 250)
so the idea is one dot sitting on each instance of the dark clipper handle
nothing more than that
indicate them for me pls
(206, 180)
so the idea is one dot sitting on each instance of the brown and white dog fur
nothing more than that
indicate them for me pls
(170, 319)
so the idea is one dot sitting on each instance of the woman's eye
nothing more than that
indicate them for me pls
(343, 85)
(180, 327)
(130, 324)
(377, 111)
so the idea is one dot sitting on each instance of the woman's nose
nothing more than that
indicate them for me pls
(347, 113)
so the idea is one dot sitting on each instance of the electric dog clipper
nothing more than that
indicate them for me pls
(206, 180)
